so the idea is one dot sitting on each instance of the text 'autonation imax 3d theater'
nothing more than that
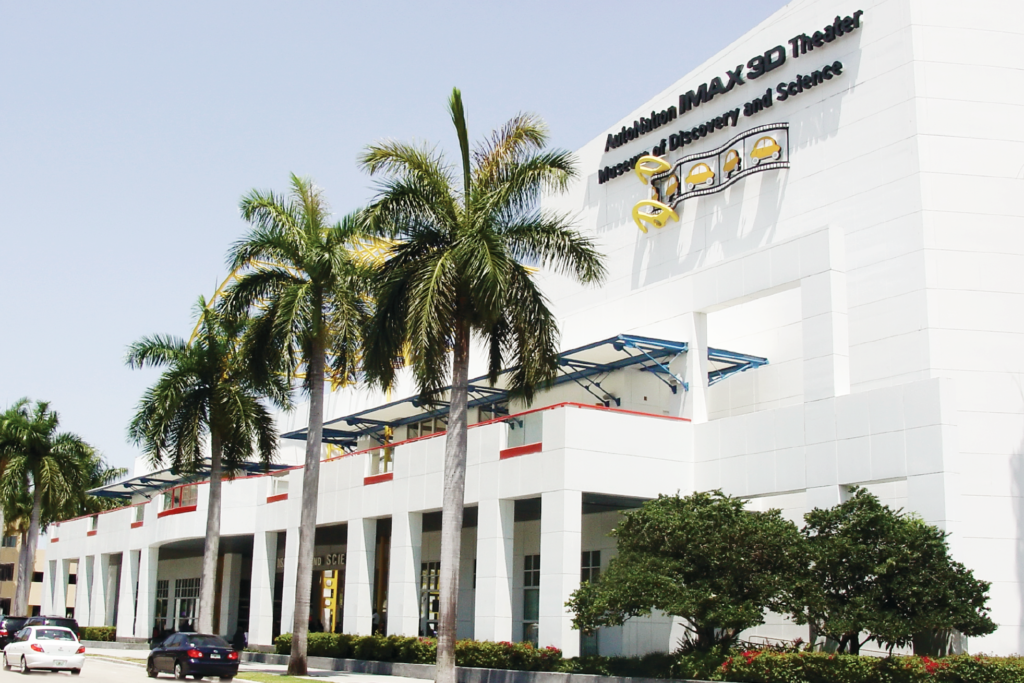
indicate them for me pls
(816, 282)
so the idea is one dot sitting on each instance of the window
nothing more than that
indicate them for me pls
(94, 522)
(590, 571)
(430, 597)
(9, 542)
(279, 485)
(140, 513)
(186, 598)
(531, 598)
(162, 595)
(181, 497)
(72, 579)
(37, 577)
(7, 572)
(525, 429)
(426, 427)
(382, 460)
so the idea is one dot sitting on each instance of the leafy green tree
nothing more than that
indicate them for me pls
(41, 461)
(306, 291)
(205, 397)
(96, 473)
(458, 269)
(879, 574)
(702, 557)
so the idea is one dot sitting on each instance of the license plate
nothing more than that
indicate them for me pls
(60, 662)
(215, 656)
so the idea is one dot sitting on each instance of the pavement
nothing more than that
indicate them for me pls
(119, 665)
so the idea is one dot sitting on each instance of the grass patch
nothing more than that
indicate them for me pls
(263, 677)
(130, 660)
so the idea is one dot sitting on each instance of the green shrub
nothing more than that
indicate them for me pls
(107, 634)
(719, 665)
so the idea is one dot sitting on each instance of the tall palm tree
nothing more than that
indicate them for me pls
(458, 269)
(40, 459)
(205, 395)
(307, 296)
(95, 473)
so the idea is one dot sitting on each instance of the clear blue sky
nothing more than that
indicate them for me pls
(129, 131)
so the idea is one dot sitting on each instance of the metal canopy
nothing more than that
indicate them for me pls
(587, 366)
(148, 484)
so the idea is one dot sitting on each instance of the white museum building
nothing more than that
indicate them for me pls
(815, 281)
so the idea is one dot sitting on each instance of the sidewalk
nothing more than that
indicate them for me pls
(139, 657)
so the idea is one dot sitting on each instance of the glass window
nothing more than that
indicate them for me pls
(186, 598)
(531, 598)
(162, 595)
(140, 512)
(430, 597)
(10, 542)
(54, 634)
(525, 429)
(590, 570)
(7, 572)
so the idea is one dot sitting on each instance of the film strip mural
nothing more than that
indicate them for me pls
(764, 148)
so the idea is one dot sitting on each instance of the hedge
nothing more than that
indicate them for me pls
(102, 633)
(482, 654)
(736, 667)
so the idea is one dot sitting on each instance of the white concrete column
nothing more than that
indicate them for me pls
(46, 601)
(695, 399)
(404, 574)
(98, 609)
(149, 559)
(82, 590)
(261, 591)
(494, 554)
(230, 584)
(126, 594)
(291, 574)
(561, 526)
(825, 335)
(59, 604)
(358, 606)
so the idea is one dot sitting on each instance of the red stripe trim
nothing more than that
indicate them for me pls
(91, 533)
(136, 525)
(280, 496)
(54, 540)
(177, 511)
(378, 478)
(520, 450)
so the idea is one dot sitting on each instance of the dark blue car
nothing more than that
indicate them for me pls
(195, 655)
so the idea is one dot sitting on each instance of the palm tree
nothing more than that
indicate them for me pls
(205, 395)
(306, 290)
(43, 461)
(458, 269)
(96, 473)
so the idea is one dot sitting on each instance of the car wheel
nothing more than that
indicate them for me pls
(179, 671)
(150, 671)
(689, 186)
(24, 665)
(709, 182)
(776, 155)
(7, 665)
(75, 672)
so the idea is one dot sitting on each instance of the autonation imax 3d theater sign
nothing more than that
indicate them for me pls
(758, 149)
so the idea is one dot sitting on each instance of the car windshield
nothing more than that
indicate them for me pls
(54, 634)
(206, 641)
(14, 623)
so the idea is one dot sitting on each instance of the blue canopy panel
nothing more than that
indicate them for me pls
(586, 365)
(148, 484)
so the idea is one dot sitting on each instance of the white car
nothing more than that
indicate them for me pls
(54, 648)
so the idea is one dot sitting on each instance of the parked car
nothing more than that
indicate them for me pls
(66, 622)
(45, 647)
(195, 655)
(8, 627)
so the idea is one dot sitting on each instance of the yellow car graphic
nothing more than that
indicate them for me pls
(732, 162)
(764, 148)
(700, 173)
(672, 186)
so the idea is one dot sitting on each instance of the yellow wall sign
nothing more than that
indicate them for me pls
(764, 148)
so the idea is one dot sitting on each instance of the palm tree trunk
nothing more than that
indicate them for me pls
(211, 550)
(307, 520)
(23, 572)
(452, 509)
(28, 564)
